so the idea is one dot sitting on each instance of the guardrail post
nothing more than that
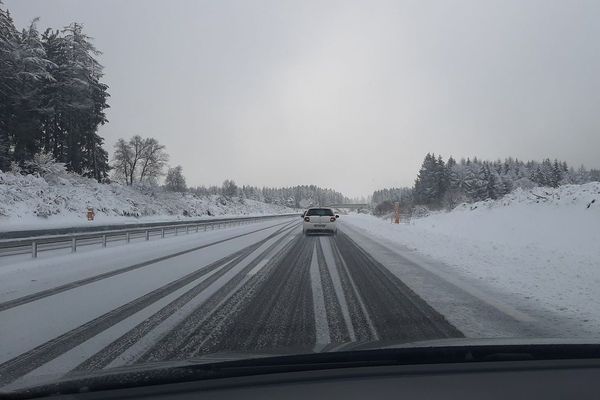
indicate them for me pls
(103, 240)
(73, 245)
(147, 234)
(127, 237)
(176, 230)
(34, 249)
(187, 229)
(162, 232)
(196, 228)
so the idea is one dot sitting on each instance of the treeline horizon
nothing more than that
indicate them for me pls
(299, 196)
(445, 184)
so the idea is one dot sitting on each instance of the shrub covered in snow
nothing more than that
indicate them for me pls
(52, 191)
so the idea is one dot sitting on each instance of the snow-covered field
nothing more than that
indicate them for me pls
(31, 202)
(541, 246)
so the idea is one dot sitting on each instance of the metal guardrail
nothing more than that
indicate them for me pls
(32, 245)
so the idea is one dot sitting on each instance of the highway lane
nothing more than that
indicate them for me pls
(275, 292)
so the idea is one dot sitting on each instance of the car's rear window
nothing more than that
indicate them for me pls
(320, 212)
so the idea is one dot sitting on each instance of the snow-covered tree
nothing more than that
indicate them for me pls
(229, 188)
(44, 163)
(175, 181)
(475, 179)
(52, 99)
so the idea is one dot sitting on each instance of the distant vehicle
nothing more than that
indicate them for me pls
(320, 220)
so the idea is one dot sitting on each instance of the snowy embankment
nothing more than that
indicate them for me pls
(541, 246)
(32, 202)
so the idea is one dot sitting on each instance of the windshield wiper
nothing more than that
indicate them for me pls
(187, 371)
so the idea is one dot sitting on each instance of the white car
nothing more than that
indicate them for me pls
(319, 220)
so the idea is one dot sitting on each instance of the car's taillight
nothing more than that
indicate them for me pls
(307, 219)
(332, 219)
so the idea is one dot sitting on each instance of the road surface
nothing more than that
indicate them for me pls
(261, 288)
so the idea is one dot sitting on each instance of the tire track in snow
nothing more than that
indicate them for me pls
(277, 313)
(394, 310)
(323, 337)
(337, 285)
(338, 331)
(107, 355)
(187, 337)
(29, 361)
(72, 285)
(352, 288)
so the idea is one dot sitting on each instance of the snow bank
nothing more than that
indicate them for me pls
(540, 245)
(29, 201)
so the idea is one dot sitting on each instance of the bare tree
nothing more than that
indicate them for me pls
(175, 181)
(122, 160)
(138, 148)
(153, 160)
(139, 159)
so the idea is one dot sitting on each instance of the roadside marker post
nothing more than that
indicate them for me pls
(397, 213)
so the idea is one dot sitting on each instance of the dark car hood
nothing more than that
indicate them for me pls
(219, 365)
(460, 342)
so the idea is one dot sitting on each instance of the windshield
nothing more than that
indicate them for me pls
(155, 158)
(320, 212)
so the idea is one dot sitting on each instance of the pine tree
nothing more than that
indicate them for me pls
(32, 103)
(556, 176)
(476, 182)
(427, 182)
(8, 84)
(442, 180)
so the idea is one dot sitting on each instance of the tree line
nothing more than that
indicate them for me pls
(52, 98)
(142, 161)
(301, 196)
(445, 184)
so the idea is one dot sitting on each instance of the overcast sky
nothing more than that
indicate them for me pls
(343, 94)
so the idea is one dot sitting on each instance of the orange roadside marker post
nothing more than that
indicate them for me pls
(397, 213)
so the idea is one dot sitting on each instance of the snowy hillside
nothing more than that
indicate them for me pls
(28, 201)
(539, 246)
(566, 217)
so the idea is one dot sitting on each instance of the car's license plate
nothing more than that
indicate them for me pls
(319, 225)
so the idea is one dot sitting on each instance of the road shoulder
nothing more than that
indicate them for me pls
(475, 309)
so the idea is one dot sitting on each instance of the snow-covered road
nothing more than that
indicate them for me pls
(250, 289)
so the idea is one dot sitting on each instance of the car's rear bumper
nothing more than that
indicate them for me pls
(317, 231)
(319, 228)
